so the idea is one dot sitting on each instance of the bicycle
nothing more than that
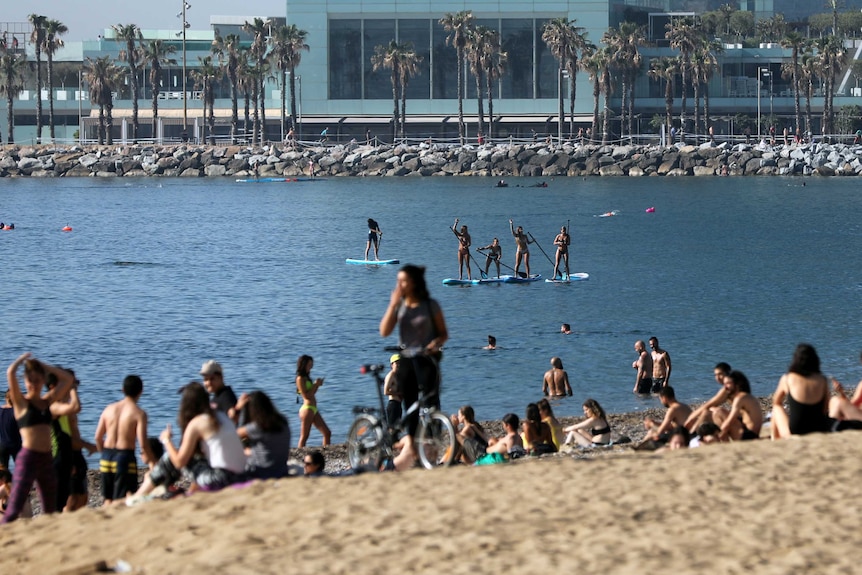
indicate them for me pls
(372, 436)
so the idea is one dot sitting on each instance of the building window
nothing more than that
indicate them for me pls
(345, 60)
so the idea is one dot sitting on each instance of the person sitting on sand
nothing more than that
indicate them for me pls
(703, 414)
(594, 430)
(210, 451)
(556, 380)
(537, 435)
(678, 439)
(745, 418)
(122, 425)
(266, 435)
(313, 464)
(511, 445)
(547, 414)
(807, 394)
(471, 437)
(676, 415)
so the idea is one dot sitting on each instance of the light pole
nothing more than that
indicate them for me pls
(185, 25)
(762, 72)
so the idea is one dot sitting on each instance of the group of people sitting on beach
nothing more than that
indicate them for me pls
(801, 404)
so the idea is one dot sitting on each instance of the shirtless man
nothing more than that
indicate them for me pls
(562, 242)
(522, 243)
(703, 414)
(643, 365)
(676, 415)
(120, 426)
(494, 254)
(660, 365)
(556, 380)
(510, 444)
(745, 418)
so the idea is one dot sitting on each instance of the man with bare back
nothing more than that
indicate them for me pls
(660, 366)
(556, 380)
(121, 425)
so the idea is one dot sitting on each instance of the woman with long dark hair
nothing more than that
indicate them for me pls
(267, 436)
(309, 414)
(594, 430)
(210, 449)
(807, 394)
(421, 334)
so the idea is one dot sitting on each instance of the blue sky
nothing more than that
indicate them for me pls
(86, 19)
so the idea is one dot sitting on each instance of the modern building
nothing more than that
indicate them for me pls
(338, 88)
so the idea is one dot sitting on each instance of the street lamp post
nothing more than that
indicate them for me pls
(185, 25)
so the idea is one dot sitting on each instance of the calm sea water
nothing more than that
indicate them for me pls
(160, 275)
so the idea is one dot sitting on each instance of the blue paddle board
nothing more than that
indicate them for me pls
(270, 180)
(572, 278)
(520, 280)
(457, 282)
(372, 262)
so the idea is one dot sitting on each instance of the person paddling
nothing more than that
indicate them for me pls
(494, 254)
(374, 235)
(562, 242)
(522, 242)
(464, 242)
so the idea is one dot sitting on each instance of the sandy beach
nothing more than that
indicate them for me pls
(764, 507)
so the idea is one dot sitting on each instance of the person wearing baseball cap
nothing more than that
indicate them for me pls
(223, 397)
(390, 388)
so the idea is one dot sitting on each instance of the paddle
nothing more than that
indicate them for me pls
(520, 274)
(481, 271)
(540, 247)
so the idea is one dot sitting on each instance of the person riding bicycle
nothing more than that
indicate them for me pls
(421, 335)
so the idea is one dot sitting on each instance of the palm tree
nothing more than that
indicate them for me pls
(592, 62)
(831, 58)
(625, 46)
(156, 54)
(458, 26)
(796, 42)
(685, 37)
(130, 34)
(495, 65)
(387, 56)
(288, 43)
(102, 78)
(259, 28)
(665, 69)
(476, 51)
(808, 72)
(707, 65)
(12, 69)
(410, 61)
(53, 30)
(245, 81)
(37, 38)
(565, 41)
(228, 48)
(205, 77)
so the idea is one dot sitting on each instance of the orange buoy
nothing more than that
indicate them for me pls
(67, 229)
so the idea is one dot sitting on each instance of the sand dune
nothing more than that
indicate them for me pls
(763, 507)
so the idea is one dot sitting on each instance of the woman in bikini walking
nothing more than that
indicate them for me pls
(308, 413)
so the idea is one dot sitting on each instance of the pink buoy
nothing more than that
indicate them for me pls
(650, 210)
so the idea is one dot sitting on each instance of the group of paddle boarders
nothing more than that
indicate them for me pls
(493, 252)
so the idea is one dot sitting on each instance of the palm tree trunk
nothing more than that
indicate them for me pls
(461, 127)
(10, 116)
(561, 116)
(403, 104)
(262, 96)
(572, 85)
(668, 107)
(154, 86)
(234, 115)
(293, 101)
(481, 101)
(133, 71)
(38, 94)
(696, 86)
(624, 106)
(256, 123)
(796, 106)
(596, 94)
(283, 103)
(109, 123)
(490, 87)
(631, 102)
(395, 114)
(51, 95)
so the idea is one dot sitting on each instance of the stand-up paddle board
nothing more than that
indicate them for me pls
(520, 280)
(571, 278)
(270, 180)
(457, 282)
(372, 262)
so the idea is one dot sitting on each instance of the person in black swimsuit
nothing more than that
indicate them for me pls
(374, 234)
(34, 463)
(807, 394)
(594, 430)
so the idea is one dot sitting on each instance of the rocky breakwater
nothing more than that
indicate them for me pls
(494, 160)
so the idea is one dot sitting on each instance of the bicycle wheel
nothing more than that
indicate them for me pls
(436, 440)
(365, 446)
